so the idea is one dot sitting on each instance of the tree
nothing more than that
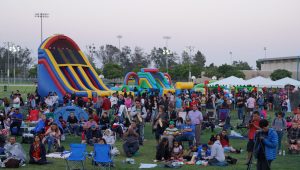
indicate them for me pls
(241, 65)
(280, 73)
(228, 70)
(160, 59)
(32, 72)
(112, 71)
(258, 64)
(139, 58)
(199, 59)
(108, 54)
(22, 62)
(211, 71)
(186, 59)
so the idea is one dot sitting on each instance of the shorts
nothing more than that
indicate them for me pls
(250, 145)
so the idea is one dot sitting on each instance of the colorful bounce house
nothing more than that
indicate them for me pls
(63, 68)
(149, 79)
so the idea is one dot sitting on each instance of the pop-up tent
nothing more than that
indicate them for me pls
(260, 82)
(65, 112)
(229, 81)
(281, 83)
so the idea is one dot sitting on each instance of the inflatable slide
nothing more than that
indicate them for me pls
(63, 68)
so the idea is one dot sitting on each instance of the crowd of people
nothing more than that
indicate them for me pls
(174, 119)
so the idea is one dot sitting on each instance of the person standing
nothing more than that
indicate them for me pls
(139, 113)
(267, 141)
(253, 127)
(279, 125)
(196, 117)
(240, 106)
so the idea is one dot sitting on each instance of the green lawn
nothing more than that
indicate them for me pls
(146, 154)
(23, 90)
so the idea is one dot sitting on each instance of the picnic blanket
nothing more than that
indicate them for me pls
(59, 155)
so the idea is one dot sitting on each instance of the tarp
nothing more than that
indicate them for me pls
(65, 112)
(260, 82)
(286, 81)
(229, 81)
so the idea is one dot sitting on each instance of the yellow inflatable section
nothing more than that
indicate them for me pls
(184, 85)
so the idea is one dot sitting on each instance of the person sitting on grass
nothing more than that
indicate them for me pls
(14, 152)
(52, 134)
(73, 124)
(37, 152)
(217, 157)
(16, 118)
(187, 133)
(177, 151)
(225, 143)
(170, 133)
(294, 137)
(162, 151)
(131, 142)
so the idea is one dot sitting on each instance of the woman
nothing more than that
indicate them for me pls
(52, 134)
(131, 142)
(37, 152)
(217, 157)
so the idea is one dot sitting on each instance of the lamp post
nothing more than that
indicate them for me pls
(15, 50)
(190, 49)
(167, 53)
(265, 49)
(8, 47)
(119, 38)
(231, 58)
(41, 15)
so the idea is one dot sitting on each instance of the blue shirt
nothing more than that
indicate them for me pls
(185, 126)
(207, 152)
(17, 116)
(178, 103)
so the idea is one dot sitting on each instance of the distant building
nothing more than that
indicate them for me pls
(291, 64)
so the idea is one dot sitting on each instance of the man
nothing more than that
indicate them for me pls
(113, 100)
(188, 133)
(196, 119)
(15, 150)
(17, 118)
(73, 124)
(250, 104)
(267, 141)
(139, 113)
(253, 127)
(170, 133)
(106, 105)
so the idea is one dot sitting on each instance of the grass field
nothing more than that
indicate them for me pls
(23, 90)
(146, 154)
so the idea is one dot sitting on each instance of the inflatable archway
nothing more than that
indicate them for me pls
(131, 74)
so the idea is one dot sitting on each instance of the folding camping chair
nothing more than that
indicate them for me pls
(102, 156)
(77, 157)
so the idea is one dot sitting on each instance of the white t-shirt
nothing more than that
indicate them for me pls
(251, 103)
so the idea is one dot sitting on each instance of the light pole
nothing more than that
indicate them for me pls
(265, 49)
(190, 50)
(119, 38)
(92, 49)
(9, 44)
(167, 39)
(167, 53)
(41, 15)
(231, 59)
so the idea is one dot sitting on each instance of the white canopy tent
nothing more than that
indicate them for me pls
(229, 81)
(281, 83)
(260, 82)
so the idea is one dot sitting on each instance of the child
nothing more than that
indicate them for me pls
(162, 151)
(177, 151)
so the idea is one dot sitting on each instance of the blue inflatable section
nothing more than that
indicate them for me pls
(65, 112)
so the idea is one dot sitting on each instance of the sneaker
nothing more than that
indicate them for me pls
(280, 153)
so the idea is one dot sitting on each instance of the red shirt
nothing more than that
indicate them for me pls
(106, 104)
(252, 129)
(195, 102)
(224, 142)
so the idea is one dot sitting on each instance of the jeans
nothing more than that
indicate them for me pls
(74, 128)
(279, 134)
(50, 141)
(141, 133)
(240, 113)
(189, 138)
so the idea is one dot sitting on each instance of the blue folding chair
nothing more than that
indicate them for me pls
(77, 156)
(102, 156)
